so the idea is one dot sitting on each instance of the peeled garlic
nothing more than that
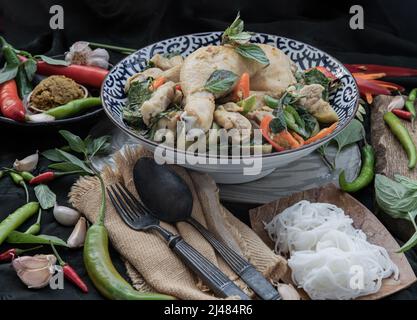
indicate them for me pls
(80, 53)
(288, 292)
(27, 164)
(66, 216)
(35, 272)
(77, 237)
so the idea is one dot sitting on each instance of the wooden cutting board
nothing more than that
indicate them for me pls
(390, 159)
(362, 219)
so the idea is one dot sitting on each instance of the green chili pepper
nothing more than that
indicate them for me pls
(19, 181)
(11, 58)
(35, 228)
(271, 102)
(16, 219)
(26, 175)
(365, 176)
(300, 122)
(73, 108)
(402, 134)
(291, 124)
(100, 267)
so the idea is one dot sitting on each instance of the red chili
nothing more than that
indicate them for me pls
(69, 273)
(86, 75)
(43, 178)
(10, 254)
(11, 106)
(403, 114)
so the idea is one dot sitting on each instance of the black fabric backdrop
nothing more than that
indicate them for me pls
(389, 37)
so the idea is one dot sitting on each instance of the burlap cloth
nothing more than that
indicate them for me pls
(151, 265)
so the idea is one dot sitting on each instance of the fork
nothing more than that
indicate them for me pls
(138, 217)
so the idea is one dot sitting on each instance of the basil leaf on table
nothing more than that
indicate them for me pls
(221, 81)
(75, 161)
(17, 237)
(406, 182)
(45, 196)
(53, 155)
(52, 61)
(253, 52)
(99, 146)
(65, 167)
(353, 133)
(9, 72)
(75, 142)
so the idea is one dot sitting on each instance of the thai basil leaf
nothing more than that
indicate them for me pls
(311, 124)
(241, 38)
(353, 133)
(53, 155)
(221, 81)
(16, 237)
(75, 161)
(138, 93)
(253, 52)
(406, 182)
(52, 61)
(9, 72)
(30, 68)
(45, 196)
(99, 146)
(65, 167)
(278, 124)
(75, 142)
(235, 28)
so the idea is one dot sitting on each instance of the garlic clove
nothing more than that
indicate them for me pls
(40, 117)
(397, 103)
(288, 292)
(99, 58)
(66, 216)
(77, 237)
(78, 53)
(27, 164)
(35, 272)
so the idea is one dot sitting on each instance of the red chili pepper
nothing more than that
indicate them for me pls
(86, 75)
(403, 114)
(265, 132)
(10, 254)
(43, 178)
(388, 70)
(69, 273)
(11, 106)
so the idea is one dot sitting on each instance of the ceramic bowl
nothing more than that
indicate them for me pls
(231, 170)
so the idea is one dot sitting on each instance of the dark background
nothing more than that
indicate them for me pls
(390, 37)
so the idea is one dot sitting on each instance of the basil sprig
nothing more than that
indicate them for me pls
(239, 39)
(221, 81)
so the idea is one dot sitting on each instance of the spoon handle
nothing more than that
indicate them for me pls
(212, 276)
(247, 272)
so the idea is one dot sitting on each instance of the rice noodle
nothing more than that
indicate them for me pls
(329, 258)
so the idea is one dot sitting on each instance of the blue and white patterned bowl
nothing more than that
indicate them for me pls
(344, 101)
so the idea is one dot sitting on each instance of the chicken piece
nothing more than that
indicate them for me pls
(276, 77)
(258, 114)
(169, 121)
(313, 101)
(159, 102)
(165, 63)
(195, 72)
(234, 120)
(172, 74)
(232, 107)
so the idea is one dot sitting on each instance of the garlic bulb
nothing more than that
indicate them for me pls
(27, 164)
(288, 292)
(77, 237)
(80, 53)
(66, 216)
(35, 272)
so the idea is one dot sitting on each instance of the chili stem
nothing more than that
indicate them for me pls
(113, 48)
(26, 191)
(60, 261)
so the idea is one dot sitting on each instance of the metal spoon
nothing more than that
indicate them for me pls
(170, 200)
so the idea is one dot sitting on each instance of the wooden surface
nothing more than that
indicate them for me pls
(362, 218)
(390, 159)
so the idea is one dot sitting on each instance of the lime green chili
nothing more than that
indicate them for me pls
(27, 176)
(73, 108)
(35, 228)
(410, 103)
(19, 181)
(100, 268)
(16, 219)
(402, 134)
(366, 175)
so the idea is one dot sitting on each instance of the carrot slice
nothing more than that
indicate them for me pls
(242, 89)
(284, 138)
(322, 134)
(299, 139)
(265, 132)
(158, 83)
